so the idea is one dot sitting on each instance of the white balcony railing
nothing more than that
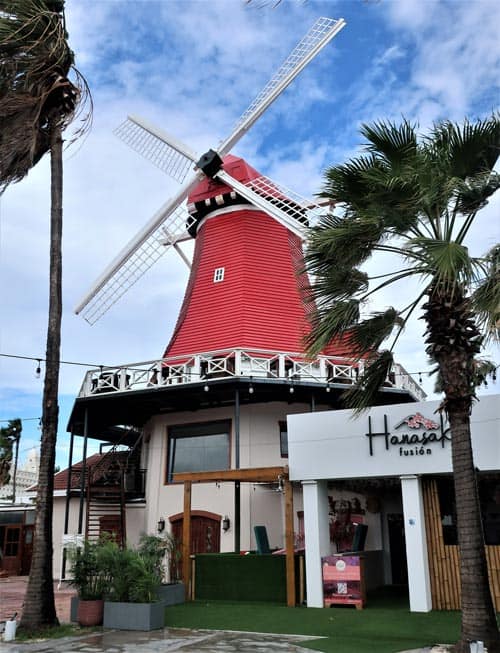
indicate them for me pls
(254, 364)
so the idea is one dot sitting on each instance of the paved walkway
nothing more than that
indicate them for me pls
(167, 640)
(13, 589)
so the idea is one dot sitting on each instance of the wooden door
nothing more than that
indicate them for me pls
(205, 534)
(111, 525)
(12, 549)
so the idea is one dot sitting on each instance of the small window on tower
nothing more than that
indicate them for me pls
(218, 275)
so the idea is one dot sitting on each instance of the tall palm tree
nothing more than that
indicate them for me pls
(416, 199)
(37, 102)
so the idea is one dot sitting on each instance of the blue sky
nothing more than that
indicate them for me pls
(193, 68)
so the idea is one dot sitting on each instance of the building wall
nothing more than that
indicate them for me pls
(260, 504)
(135, 524)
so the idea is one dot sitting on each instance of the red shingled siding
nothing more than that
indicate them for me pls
(258, 304)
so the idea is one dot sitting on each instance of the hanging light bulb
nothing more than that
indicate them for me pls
(420, 378)
(292, 389)
(206, 388)
(250, 387)
(38, 370)
(327, 387)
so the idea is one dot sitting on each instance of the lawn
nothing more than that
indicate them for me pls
(384, 626)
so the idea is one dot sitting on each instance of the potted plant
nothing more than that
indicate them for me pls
(162, 555)
(131, 599)
(89, 577)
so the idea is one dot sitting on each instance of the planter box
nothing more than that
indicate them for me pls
(172, 593)
(134, 616)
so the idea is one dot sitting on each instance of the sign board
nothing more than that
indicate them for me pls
(343, 580)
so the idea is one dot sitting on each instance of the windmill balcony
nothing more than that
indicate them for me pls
(250, 364)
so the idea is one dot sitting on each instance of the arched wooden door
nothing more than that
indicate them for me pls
(205, 534)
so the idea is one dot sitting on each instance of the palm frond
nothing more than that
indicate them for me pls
(486, 297)
(472, 193)
(364, 393)
(368, 335)
(330, 323)
(339, 282)
(396, 143)
(447, 262)
(346, 241)
(35, 90)
(469, 149)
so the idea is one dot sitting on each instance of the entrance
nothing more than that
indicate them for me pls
(205, 534)
(397, 544)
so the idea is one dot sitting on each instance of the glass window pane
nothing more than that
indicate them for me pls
(199, 447)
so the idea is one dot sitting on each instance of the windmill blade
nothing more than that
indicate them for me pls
(166, 228)
(288, 208)
(320, 34)
(156, 145)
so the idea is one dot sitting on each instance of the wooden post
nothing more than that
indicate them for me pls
(289, 543)
(186, 538)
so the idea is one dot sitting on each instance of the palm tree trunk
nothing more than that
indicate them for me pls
(453, 340)
(39, 607)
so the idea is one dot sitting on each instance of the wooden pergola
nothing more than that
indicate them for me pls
(255, 475)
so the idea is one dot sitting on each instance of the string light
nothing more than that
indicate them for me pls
(101, 367)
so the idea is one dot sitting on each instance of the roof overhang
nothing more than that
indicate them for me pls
(107, 414)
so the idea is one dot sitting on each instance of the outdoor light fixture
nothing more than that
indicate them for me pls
(327, 387)
(250, 387)
(292, 389)
(38, 370)
(226, 523)
(161, 525)
(206, 388)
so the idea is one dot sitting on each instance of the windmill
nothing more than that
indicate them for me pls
(220, 184)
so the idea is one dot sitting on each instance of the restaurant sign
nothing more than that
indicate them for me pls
(415, 435)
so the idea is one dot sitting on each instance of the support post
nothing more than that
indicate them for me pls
(317, 538)
(186, 538)
(237, 486)
(289, 543)
(83, 471)
(416, 544)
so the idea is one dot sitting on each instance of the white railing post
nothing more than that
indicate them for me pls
(122, 384)
(322, 369)
(237, 362)
(197, 369)
(281, 366)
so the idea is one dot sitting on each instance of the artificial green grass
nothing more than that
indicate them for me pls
(385, 625)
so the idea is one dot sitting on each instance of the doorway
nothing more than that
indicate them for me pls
(205, 534)
(397, 544)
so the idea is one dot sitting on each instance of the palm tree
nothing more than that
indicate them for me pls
(416, 198)
(37, 102)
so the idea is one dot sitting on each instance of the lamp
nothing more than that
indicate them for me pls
(250, 387)
(206, 387)
(226, 523)
(38, 370)
(161, 525)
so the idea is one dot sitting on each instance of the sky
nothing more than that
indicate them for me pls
(192, 68)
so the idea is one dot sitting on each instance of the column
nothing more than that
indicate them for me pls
(416, 544)
(317, 538)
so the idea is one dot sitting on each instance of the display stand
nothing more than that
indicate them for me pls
(343, 580)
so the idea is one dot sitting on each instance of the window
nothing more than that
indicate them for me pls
(283, 440)
(199, 447)
(218, 275)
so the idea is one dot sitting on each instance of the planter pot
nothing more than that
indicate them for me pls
(90, 613)
(172, 593)
(134, 616)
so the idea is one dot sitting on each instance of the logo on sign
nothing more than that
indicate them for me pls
(415, 435)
